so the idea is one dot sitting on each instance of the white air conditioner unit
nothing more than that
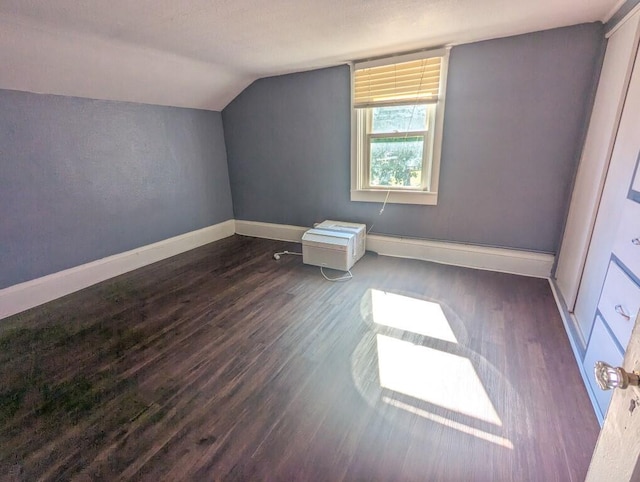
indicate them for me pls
(334, 244)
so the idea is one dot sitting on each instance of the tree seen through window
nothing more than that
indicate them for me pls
(396, 145)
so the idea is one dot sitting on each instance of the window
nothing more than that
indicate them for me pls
(397, 128)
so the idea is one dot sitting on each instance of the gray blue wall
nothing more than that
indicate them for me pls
(83, 179)
(515, 118)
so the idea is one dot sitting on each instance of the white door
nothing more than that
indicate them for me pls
(618, 449)
(612, 202)
(612, 87)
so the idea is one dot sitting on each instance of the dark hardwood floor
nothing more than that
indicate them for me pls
(222, 363)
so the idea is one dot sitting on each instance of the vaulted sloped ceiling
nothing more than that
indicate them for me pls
(202, 53)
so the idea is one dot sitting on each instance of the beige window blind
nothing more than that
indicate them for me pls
(412, 82)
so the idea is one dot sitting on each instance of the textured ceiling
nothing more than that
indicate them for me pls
(202, 53)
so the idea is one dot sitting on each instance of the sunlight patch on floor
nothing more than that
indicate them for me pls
(435, 376)
(460, 427)
(411, 314)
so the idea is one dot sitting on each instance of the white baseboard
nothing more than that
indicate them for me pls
(280, 232)
(525, 263)
(29, 294)
(514, 261)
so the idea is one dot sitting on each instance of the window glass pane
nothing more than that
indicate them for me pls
(396, 161)
(401, 118)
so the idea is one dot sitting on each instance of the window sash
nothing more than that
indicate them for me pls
(374, 135)
(423, 163)
(365, 121)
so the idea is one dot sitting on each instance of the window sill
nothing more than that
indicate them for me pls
(395, 197)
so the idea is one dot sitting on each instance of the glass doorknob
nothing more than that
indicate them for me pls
(609, 377)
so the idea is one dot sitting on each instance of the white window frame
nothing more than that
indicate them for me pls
(427, 193)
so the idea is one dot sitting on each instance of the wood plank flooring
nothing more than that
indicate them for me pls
(224, 364)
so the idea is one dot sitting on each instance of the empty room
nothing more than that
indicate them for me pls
(338, 240)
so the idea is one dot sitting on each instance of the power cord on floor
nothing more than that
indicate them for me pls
(281, 253)
(346, 277)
